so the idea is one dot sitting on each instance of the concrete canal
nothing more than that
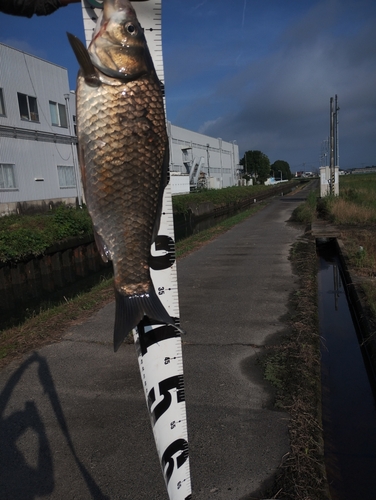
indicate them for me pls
(348, 397)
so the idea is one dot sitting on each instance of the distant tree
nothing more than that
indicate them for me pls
(283, 167)
(256, 164)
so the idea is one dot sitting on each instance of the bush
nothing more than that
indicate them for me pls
(21, 243)
(69, 222)
(30, 235)
(305, 213)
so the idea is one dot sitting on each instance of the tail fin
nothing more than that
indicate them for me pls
(130, 309)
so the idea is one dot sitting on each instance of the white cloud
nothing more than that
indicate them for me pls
(208, 124)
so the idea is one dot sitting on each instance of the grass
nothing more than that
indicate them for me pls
(360, 246)
(23, 236)
(343, 211)
(356, 203)
(370, 291)
(47, 325)
(293, 367)
(219, 197)
(305, 213)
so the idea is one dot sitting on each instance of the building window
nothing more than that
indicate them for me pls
(67, 179)
(7, 177)
(28, 107)
(58, 114)
(2, 105)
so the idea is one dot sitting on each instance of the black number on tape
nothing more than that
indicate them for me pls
(158, 263)
(154, 336)
(180, 445)
(165, 387)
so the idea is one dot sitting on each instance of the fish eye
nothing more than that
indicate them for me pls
(131, 29)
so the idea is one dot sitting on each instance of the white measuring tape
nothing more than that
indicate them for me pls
(159, 346)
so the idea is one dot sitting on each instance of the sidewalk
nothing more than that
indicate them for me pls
(74, 418)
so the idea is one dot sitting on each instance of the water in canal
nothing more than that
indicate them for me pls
(349, 410)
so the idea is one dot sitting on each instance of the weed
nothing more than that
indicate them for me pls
(217, 197)
(370, 290)
(293, 367)
(22, 236)
(343, 211)
(305, 213)
(356, 203)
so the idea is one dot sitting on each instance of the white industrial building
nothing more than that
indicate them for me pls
(38, 154)
(206, 161)
(38, 161)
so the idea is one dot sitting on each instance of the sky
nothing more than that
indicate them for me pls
(258, 72)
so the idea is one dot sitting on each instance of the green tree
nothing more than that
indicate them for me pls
(281, 166)
(256, 164)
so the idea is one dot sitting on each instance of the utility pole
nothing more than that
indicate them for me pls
(208, 158)
(336, 142)
(324, 152)
(331, 147)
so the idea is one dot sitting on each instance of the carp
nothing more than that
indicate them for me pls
(124, 155)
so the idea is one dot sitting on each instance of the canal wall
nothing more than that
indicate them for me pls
(199, 215)
(75, 264)
(356, 296)
(62, 271)
(359, 304)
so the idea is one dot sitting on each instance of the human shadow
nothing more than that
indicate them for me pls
(19, 479)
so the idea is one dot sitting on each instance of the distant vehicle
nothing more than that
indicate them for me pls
(304, 174)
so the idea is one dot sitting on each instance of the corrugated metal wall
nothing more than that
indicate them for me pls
(35, 160)
(35, 148)
(20, 72)
(51, 276)
(221, 158)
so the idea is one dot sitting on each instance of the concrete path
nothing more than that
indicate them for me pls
(74, 423)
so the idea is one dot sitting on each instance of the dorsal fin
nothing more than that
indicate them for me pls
(83, 57)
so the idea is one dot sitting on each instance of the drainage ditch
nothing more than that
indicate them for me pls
(348, 386)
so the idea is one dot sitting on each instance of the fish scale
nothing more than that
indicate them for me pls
(128, 134)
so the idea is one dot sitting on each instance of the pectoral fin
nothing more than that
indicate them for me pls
(102, 247)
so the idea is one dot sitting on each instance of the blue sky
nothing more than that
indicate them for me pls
(258, 72)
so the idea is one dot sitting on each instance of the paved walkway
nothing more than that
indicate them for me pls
(74, 419)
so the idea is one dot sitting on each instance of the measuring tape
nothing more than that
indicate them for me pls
(158, 345)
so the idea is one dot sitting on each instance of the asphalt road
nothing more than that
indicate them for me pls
(74, 423)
